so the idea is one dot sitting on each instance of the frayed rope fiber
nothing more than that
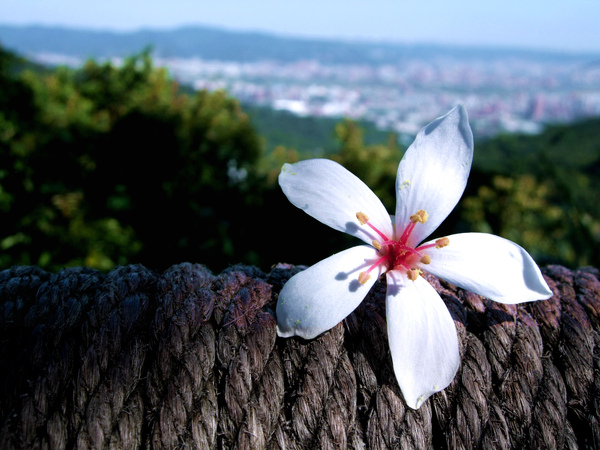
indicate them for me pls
(184, 358)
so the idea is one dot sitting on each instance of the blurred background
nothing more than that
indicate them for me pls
(153, 132)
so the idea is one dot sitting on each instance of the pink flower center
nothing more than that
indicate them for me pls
(396, 253)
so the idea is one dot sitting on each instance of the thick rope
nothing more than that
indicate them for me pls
(184, 358)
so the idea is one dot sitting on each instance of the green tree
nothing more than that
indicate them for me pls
(116, 166)
(529, 212)
(375, 164)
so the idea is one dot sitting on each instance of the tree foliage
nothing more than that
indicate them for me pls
(106, 165)
(375, 164)
(527, 211)
(541, 191)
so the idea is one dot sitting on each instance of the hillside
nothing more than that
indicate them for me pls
(221, 44)
(312, 136)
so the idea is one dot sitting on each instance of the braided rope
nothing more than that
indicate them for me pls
(136, 358)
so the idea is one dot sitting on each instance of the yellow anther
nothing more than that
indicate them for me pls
(363, 277)
(362, 217)
(420, 216)
(442, 242)
(412, 274)
(426, 259)
(376, 244)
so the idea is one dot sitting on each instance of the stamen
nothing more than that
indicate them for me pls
(421, 216)
(396, 253)
(412, 251)
(442, 242)
(362, 217)
(407, 231)
(363, 277)
(412, 274)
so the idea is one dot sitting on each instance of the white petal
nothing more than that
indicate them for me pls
(433, 173)
(422, 337)
(490, 266)
(333, 195)
(317, 299)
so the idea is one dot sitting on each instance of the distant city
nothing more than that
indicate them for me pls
(396, 87)
(512, 95)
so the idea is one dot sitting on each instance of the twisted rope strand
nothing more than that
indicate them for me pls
(185, 358)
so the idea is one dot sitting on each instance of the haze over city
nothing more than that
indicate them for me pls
(535, 24)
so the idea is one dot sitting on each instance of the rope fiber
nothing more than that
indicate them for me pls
(139, 359)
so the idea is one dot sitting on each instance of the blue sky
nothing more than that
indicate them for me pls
(539, 24)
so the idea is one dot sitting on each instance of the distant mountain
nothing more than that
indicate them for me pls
(220, 44)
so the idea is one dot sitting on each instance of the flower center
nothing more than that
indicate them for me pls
(395, 253)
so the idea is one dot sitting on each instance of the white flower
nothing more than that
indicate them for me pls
(431, 179)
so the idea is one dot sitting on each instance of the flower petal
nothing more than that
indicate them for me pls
(433, 173)
(333, 195)
(490, 266)
(422, 337)
(317, 299)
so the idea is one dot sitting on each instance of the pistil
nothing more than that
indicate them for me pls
(396, 254)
